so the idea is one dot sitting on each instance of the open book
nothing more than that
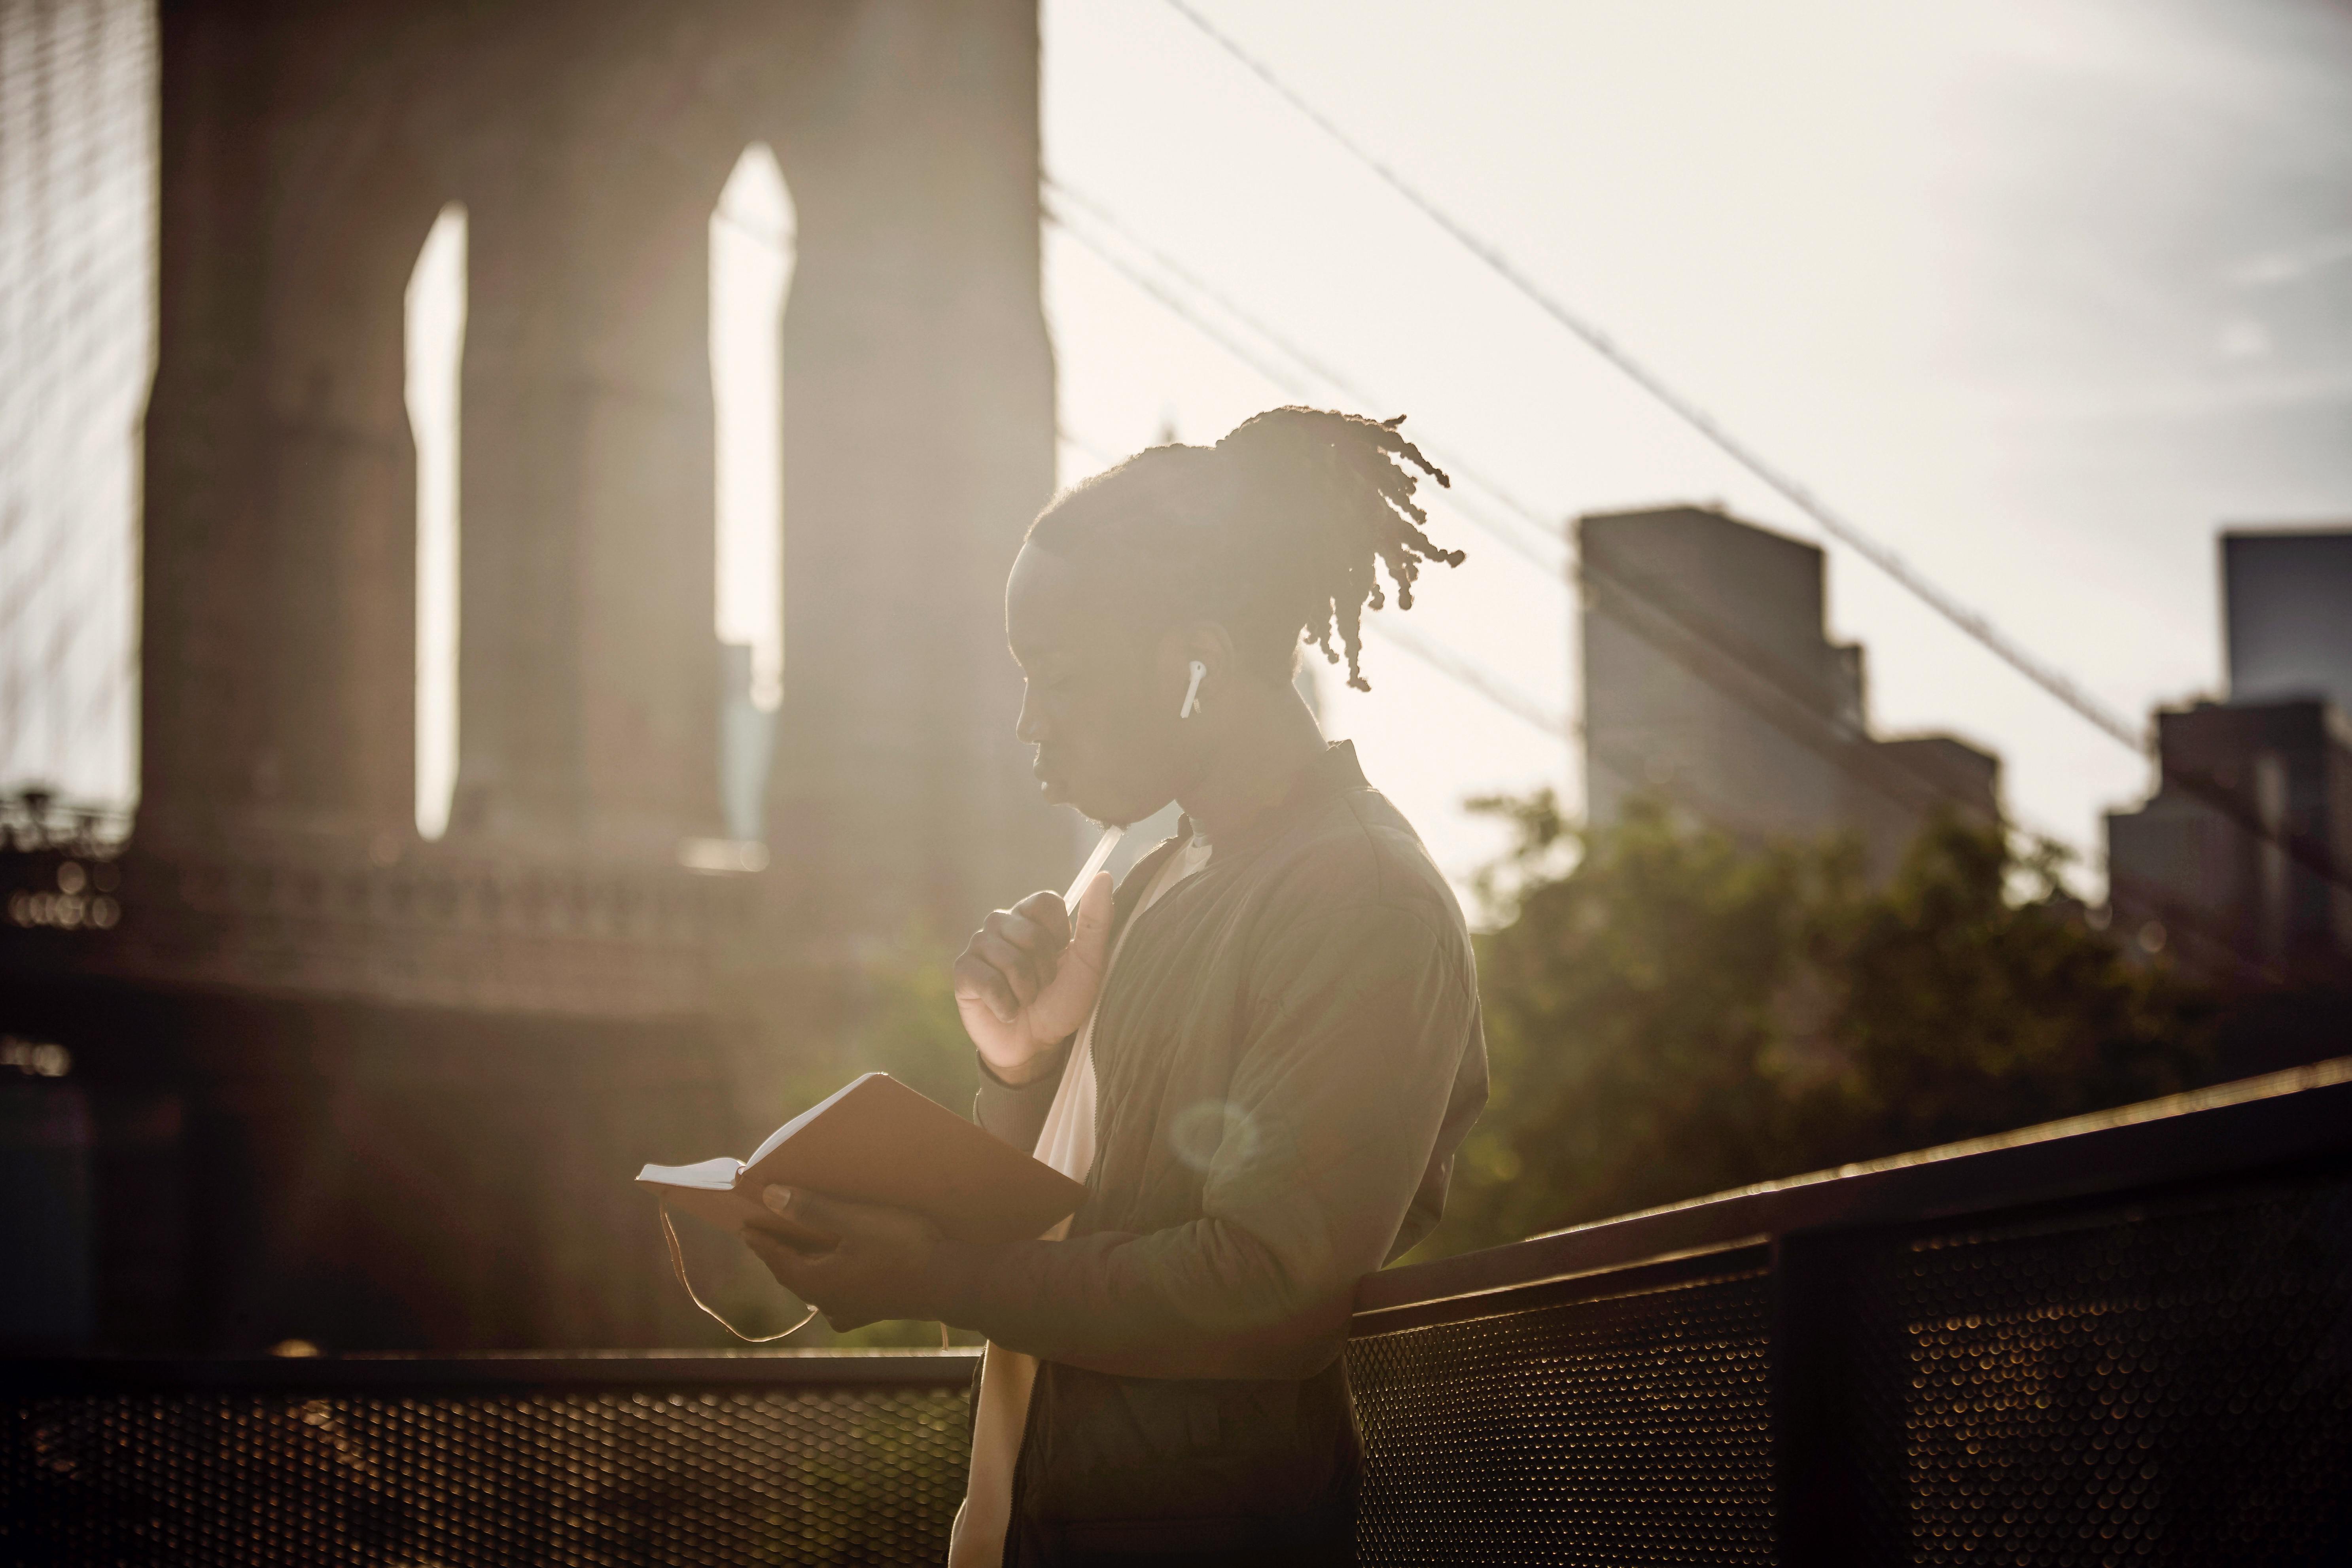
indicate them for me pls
(878, 1142)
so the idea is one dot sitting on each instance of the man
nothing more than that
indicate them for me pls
(1259, 1055)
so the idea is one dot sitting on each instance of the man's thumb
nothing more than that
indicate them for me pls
(1091, 941)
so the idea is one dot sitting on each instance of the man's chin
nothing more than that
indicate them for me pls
(1105, 806)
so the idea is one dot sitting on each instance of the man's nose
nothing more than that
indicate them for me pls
(1030, 727)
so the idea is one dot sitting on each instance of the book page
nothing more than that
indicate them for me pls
(714, 1176)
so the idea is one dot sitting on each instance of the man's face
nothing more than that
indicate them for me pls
(1092, 706)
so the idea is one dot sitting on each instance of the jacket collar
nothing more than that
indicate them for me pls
(1335, 771)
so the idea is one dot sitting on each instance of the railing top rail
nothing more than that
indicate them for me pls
(520, 1372)
(2274, 1121)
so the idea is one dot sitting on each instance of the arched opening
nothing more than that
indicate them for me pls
(751, 254)
(435, 342)
(77, 257)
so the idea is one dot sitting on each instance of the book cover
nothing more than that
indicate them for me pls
(877, 1142)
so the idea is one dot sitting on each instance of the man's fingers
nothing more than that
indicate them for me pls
(797, 1272)
(805, 1238)
(835, 1217)
(1047, 913)
(1036, 946)
(1028, 934)
(1014, 955)
(876, 1271)
(1009, 961)
(979, 981)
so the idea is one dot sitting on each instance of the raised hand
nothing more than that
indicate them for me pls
(1026, 981)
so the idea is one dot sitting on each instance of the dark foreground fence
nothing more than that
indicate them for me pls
(2122, 1340)
(532, 1462)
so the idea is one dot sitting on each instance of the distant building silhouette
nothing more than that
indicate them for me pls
(331, 1081)
(1709, 680)
(2237, 860)
(2287, 613)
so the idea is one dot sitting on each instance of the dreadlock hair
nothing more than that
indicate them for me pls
(1279, 532)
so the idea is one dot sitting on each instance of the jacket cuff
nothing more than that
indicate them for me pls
(1015, 1113)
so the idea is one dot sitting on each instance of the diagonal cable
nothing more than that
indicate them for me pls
(1445, 660)
(1510, 538)
(1316, 367)
(1968, 619)
(2235, 811)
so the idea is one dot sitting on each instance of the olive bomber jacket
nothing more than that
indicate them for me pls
(1287, 1053)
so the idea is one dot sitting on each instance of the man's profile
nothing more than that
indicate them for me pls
(1259, 1054)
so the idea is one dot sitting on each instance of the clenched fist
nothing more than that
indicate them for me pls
(1026, 981)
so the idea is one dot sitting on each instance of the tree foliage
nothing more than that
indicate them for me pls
(1671, 1013)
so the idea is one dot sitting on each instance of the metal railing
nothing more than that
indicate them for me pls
(780, 1457)
(2126, 1338)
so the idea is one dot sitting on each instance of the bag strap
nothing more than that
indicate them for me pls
(677, 1262)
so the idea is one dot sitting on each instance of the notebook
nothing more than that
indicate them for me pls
(878, 1142)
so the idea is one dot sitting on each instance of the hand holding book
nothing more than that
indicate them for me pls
(875, 1267)
(843, 1201)
(877, 1147)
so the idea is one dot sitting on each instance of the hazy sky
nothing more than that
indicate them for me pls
(2041, 293)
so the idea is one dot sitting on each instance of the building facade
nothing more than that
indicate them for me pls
(2233, 860)
(1708, 681)
(2287, 613)
(2241, 861)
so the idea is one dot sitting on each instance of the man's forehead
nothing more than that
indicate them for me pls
(1039, 604)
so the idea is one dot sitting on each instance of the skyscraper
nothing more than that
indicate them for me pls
(2238, 859)
(2287, 613)
(1709, 680)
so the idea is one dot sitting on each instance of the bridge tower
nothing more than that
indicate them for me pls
(397, 1085)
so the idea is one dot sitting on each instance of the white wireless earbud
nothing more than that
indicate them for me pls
(1192, 692)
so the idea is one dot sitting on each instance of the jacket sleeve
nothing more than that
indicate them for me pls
(1356, 1028)
(1016, 1113)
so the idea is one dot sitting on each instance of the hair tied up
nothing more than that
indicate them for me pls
(1351, 479)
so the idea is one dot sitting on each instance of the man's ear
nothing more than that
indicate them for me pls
(1205, 641)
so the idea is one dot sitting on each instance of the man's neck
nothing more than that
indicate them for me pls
(1258, 764)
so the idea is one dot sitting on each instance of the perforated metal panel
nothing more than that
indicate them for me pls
(2171, 1385)
(861, 1476)
(1631, 1430)
(2168, 1382)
